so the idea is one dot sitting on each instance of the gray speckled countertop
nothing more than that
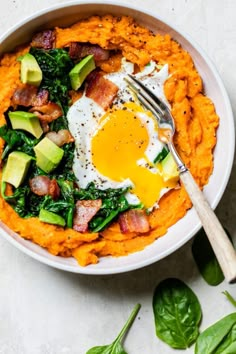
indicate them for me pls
(46, 311)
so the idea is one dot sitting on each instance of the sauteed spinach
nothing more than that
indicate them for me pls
(17, 140)
(56, 65)
(27, 204)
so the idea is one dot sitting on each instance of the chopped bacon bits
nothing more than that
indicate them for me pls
(44, 39)
(48, 112)
(54, 190)
(78, 51)
(74, 50)
(61, 137)
(84, 212)
(41, 98)
(101, 90)
(134, 220)
(44, 126)
(28, 95)
(25, 95)
(43, 185)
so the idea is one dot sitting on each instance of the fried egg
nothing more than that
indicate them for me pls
(116, 148)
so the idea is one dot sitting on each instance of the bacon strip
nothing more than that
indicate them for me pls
(101, 90)
(61, 137)
(44, 39)
(48, 112)
(43, 185)
(41, 98)
(134, 220)
(84, 212)
(28, 95)
(24, 95)
(78, 51)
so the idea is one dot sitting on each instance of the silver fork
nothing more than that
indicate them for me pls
(219, 240)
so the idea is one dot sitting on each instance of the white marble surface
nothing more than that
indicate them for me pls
(45, 311)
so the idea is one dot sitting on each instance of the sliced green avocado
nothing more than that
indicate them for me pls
(169, 168)
(80, 71)
(48, 155)
(51, 218)
(26, 121)
(30, 70)
(16, 168)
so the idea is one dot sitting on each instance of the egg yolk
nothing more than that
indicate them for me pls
(117, 145)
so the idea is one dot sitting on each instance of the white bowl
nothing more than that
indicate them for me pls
(184, 229)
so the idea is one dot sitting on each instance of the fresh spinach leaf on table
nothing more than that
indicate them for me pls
(116, 347)
(220, 338)
(206, 260)
(177, 313)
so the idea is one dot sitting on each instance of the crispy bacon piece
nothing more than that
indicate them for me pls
(101, 90)
(44, 39)
(78, 51)
(54, 190)
(44, 126)
(61, 137)
(85, 211)
(48, 112)
(24, 95)
(43, 185)
(28, 95)
(41, 98)
(134, 220)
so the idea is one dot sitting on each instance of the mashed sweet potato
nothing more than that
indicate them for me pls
(195, 119)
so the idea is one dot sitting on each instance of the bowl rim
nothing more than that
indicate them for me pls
(91, 270)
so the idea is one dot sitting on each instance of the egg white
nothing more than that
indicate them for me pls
(84, 118)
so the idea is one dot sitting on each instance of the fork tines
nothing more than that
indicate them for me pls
(146, 96)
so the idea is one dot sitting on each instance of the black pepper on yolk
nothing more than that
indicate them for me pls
(118, 146)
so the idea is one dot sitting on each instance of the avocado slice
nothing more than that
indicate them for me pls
(30, 70)
(48, 155)
(26, 121)
(169, 168)
(80, 71)
(51, 218)
(16, 168)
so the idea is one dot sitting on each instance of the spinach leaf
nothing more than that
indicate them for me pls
(59, 123)
(116, 346)
(23, 201)
(177, 313)
(55, 65)
(109, 210)
(230, 298)
(206, 260)
(67, 192)
(17, 140)
(91, 192)
(53, 62)
(220, 338)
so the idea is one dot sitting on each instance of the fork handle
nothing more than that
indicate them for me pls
(222, 247)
